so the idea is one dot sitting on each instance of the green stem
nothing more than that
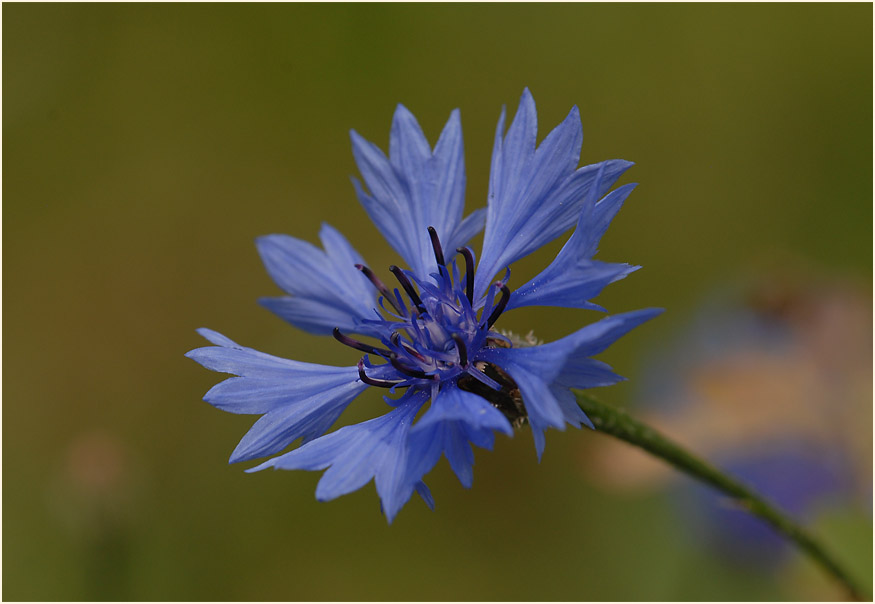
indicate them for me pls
(616, 422)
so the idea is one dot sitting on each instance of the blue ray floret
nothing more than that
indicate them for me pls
(431, 337)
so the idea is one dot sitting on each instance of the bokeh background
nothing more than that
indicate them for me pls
(146, 146)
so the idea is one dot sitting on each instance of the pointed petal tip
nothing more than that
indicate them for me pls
(205, 332)
(527, 102)
(453, 126)
(327, 491)
(214, 337)
(425, 493)
(618, 165)
(403, 114)
(195, 354)
(540, 441)
(264, 242)
(499, 129)
(326, 230)
(391, 511)
(237, 456)
(359, 189)
(637, 317)
(262, 466)
(359, 143)
(390, 515)
(587, 422)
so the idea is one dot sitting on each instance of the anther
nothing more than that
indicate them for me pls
(381, 287)
(436, 245)
(499, 308)
(405, 283)
(469, 272)
(416, 373)
(460, 347)
(348, 341)
(372, 381)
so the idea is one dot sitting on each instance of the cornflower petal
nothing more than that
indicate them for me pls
(327, 290)
(416, 188)
(596, 217)
(316, 316)
(573, 278)
(375, 449)
(435, 181)
(229, 357)
(539, 370)
(535, 194)
(297, 399)
(306, 419)
(455, 418)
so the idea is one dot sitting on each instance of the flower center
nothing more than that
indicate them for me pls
(432, 332)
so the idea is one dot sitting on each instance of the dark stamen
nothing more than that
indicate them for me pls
(393, 358)
(463, 351)
(381, 287)
(469, 272)
(436, 245)
(371, 381)
(405, 283)
(396, 340)
(499, 308)
(359, 345)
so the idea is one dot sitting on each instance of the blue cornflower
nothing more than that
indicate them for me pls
(436, 331)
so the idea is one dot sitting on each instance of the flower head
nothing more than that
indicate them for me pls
(431, 336)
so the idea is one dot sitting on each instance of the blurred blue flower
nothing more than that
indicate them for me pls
(794, 475)
(771, 380)
(436, 328)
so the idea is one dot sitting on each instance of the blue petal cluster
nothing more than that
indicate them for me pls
(434, 333)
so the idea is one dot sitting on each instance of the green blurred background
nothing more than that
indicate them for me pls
(146, 146)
